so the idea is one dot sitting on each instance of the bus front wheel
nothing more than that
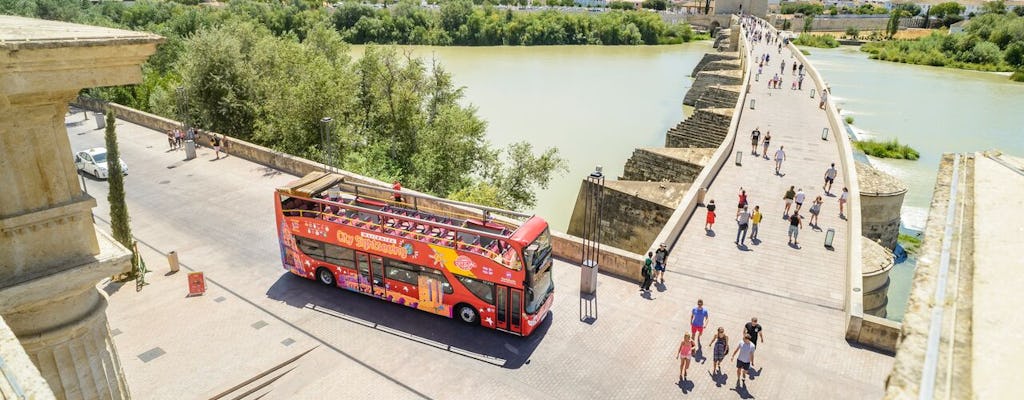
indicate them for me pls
(467, 314)
(325, 276)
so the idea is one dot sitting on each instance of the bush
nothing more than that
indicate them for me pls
(887, 149)
(852, 32)
(822, 41)
(849, 120)
(1017, 76)
(805, 52)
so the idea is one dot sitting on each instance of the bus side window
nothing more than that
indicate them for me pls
(483, 290)
(447, 287)
(311, 248)
(341, 256)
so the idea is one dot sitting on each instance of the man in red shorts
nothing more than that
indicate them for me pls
(698, 319)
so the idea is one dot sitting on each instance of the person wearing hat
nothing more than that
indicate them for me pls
(659, 263)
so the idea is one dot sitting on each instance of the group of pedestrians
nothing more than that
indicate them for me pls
(176, 139)
(690, 347)
(654, 268)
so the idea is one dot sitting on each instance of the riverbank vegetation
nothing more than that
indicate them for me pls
(887, 149)
(911, 243)
(989, 42)
(825, 41)
(459, 22)
(268, 73)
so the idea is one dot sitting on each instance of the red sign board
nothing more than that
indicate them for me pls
(196, 283)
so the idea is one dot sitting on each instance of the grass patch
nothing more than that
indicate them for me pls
(887, 149)
(849, 120)
(805, 52)
(823, 41)
(1018, 76)
(910, 243)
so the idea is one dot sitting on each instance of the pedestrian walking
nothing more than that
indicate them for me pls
(794, 68)
(660, 256)
(824, 99)
(170, 138)
(795, 223)
(178, 136)
(755, 221)
(830, 176)
(742, 222)
(767, 138)
(800, 82)
(709, 221)
(788, 198)
(815, 209)
(720, 344)
(801, 68)
(397, 194)
(698, 319)
(780, 156)
(753, 329)
(745, 360)
(800, 197)
(216, 146)
(742, 200)
(842, 202)
(755, 137)
(647, 272)
(685, 353)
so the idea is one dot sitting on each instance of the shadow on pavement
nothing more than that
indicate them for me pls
(742, 391)
(411, 324)
(685, 385)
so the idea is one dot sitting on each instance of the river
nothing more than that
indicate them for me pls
(594, 103)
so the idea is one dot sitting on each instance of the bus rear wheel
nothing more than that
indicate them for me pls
(325, 276)
(467, 314)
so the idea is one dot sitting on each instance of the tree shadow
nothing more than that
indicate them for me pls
(496, 347)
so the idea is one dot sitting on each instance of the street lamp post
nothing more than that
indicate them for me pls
(325, 141)
(591, 245)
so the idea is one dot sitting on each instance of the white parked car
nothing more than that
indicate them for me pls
(94, 161)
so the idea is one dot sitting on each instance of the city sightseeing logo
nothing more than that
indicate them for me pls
(375, 243)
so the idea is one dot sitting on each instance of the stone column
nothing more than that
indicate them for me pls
(51, 255)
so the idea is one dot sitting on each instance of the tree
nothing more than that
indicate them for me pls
(119, 222)
(994, 7)
(911, 9)
(946, 11)
(808, 23)
(786, 24)
(852, 32)
(1015, 55)
(894, 23)
(655, 4)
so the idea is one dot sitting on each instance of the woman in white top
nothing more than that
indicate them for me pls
(842, 202)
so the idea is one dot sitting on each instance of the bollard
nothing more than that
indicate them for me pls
(700, 195)
(739, 158)
(100, 121)
(190, 149)
(172, 261)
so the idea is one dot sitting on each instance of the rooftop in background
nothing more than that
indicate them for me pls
(22, 33)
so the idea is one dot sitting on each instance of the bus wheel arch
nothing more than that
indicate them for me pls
(467, 314)
(325, 276)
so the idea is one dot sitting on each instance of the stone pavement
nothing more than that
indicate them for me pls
(218, 216)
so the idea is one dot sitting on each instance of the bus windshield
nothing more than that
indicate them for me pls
(538, 272)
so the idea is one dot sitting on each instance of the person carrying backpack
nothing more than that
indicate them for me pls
(648, 273)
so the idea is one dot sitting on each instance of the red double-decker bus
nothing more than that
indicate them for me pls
(482, 265)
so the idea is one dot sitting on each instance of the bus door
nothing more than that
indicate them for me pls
(371, 280)
(508, 308)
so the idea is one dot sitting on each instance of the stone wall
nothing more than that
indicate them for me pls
(680, 165)
(705, 128)
(719, 96)
(633, 212)
(827, 23)
(705, 79)
(710, 58)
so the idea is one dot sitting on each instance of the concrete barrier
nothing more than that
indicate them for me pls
(688, 205)
(615, 262)
(854, 305)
